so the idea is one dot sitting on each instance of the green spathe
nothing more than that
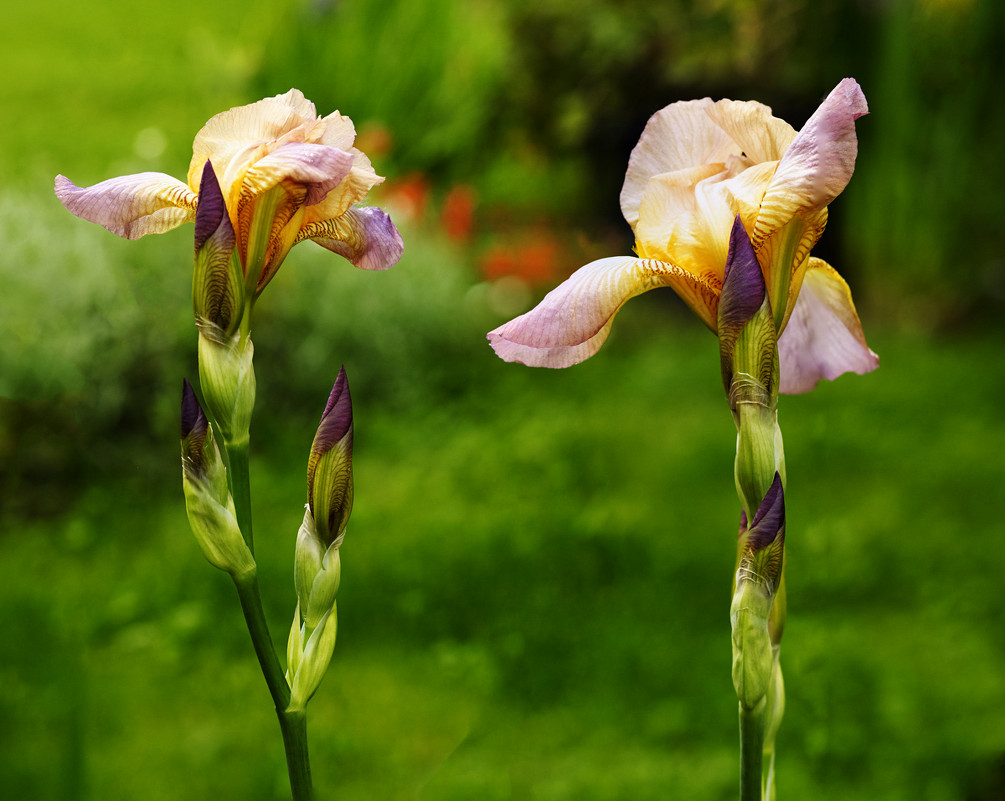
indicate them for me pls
(227, 377)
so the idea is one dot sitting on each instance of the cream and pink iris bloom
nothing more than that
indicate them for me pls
(696, 167)
(286, 176)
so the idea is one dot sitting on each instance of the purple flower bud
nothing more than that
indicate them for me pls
(329, 469)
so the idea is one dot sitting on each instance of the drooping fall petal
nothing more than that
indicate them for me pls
(364, 235)
(823, 338)
(131, 206)
(574, 319)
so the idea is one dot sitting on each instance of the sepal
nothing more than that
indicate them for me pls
(227, 376)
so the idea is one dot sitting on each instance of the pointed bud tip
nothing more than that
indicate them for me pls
(769, 521)
(210, 208)
(192, 415)
(743, 282)
(340, 405)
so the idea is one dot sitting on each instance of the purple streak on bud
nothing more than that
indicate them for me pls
(331, 486)
(194, 430)
(769, 521)
(743, 523)
(211, 208)
(743, 288)
(193, 419)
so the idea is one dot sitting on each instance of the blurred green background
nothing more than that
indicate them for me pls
(536, 576)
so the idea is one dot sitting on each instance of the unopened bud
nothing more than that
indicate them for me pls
(227, 375)
(317, 572)
(757, 579)
(308, 657)
(329, 469)
(217, 282)
(208, 502)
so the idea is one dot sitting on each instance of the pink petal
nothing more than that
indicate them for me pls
(574, 319)
(823, 338)
(364, 235)
(131, 206)
(318, 167)
(818, 164)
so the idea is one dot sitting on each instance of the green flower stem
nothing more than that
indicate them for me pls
(294, 726)
(292, 723)
(240, 487)
(751, 752)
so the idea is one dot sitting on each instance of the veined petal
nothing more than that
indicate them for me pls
(131, 206)
(818, 164)
(353, 189)
(317, 167)
(574, 319)
(677, 137)
(364, 235)
(824, 336)
(751, 125)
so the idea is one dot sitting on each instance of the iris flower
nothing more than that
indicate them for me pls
(286, 175)
(697, 166)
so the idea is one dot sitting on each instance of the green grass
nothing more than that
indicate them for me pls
(534, 599)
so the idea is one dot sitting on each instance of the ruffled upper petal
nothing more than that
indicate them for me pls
(823, 338)
(677, 137)
(761, 136)
(574, 319)
(818, 164)
(364, 235)
(227, 135)
(131, 206)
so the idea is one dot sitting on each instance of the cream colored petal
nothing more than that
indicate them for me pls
(677, 137)
(671, 227)
(229, 133)
(338, 132)
(719, 200)
(364, 235)
(131, 206)
(818, 164)
(750, 124)
(824, 337)
(574, 319)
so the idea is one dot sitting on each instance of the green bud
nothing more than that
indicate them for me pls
(757, 580)
(227, 375)
(310, 667)
(208, 502)
(316, 574)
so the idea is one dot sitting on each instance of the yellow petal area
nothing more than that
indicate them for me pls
(678, 137)
(574, 319)
(131, 206)
(751, 125)
(784, 258)
(824, 336)
(685, 219)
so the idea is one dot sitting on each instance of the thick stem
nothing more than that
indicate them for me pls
(298, 763)
(292, 723)
(751, 752)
